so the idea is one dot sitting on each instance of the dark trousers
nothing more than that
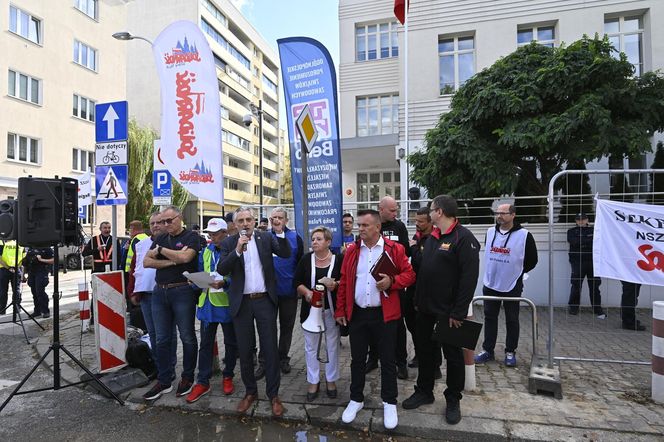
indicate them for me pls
(401, 352)
(367, 324)
(628, 302)
(491, 311)
(206, 351)
(38, 280)
(581, 270)
(264, 312)
(427, 349)
(287, 311)
(6, 277)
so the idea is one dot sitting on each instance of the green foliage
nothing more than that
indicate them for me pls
(657, 179)
(534, 111)
(139, 205)
(577, 186)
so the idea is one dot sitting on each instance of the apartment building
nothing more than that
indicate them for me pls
(448, 42)
(248, 73)
(59, 60)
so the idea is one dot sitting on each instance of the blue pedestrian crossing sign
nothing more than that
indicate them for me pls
(111, 185)
(111, 121)
(161, 188)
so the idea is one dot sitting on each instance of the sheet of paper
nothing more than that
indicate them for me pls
(201, 279)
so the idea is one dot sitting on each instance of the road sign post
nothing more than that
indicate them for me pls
(111, 159)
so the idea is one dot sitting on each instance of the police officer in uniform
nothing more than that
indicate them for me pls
(580, 239)
(37, 263)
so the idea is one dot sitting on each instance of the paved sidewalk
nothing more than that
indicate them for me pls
(601, 401)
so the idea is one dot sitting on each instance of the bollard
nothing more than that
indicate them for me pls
(658, 351)
(84, 305)
(469, 360)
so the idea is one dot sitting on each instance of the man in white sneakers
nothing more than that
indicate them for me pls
(371, 309)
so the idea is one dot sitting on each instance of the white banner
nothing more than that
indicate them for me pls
(628, 242)
(190, 109)
(84, 190)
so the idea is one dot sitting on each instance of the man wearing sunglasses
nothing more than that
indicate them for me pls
(174, 300)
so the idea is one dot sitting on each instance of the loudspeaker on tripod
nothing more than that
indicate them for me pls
(8, 219)
(47, 211)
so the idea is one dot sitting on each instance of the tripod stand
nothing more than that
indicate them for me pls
(56, 347)
(16, 301)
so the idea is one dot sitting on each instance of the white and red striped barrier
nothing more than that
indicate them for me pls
(84, 305)
(658, 351)
(111, 323)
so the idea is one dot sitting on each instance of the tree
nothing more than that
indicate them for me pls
(657, 179)
(577, 191)
(286, 182)
(543, 106)
(139, 204)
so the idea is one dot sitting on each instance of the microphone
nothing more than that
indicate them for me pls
(244, 246)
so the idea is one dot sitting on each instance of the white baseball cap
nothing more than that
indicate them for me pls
(215, 225)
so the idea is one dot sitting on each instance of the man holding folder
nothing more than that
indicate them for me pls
(446, 281)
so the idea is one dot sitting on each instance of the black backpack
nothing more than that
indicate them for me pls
(139, 356)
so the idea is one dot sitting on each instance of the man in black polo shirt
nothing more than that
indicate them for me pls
(173, 300)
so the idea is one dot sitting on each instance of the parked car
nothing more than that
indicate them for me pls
(70, 258)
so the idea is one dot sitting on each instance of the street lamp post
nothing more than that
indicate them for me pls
(258, 113)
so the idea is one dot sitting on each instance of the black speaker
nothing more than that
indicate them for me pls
(8, 219)
(48, 210)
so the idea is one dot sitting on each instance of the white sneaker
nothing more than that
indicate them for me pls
(602, 316)
(351, 411)
(390, 418)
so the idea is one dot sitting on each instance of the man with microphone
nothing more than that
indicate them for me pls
(247, 258)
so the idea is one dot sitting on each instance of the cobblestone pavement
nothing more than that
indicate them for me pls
(601, 401)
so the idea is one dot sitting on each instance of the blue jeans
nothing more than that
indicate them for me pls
(175, 306)
(205, 354)
(146, 308)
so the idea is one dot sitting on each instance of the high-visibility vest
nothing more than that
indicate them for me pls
(130, 252)
(9, 254)
(104, 254)
(217, 299)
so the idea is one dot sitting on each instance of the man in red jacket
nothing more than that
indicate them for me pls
(372, 309)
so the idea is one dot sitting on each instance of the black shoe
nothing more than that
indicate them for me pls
(453, 412)
(413, 363)
(402, 372)
(372, 364)
(635, 326)
(285, 366)
(312, 396)
(260, 372)
(34, 315)
(573, 311)
(46, 315)
(437, 374)
(184, 388)
(416, 399)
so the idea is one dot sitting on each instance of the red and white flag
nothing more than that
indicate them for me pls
(400, 10)
(190, 110)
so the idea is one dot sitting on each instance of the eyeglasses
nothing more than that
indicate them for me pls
(501, 213)
(169, 220)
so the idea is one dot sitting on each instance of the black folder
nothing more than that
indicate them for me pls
(465, 336)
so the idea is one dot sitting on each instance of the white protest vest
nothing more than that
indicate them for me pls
(503, 259)
(144, 278)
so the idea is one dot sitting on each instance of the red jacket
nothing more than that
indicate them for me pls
(346, 291)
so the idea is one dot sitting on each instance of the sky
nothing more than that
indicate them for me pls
(275, 19)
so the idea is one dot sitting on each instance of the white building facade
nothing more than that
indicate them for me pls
(448, 42)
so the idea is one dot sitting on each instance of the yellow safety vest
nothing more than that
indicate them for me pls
(217, 299)
(9, 254)
(130, 252)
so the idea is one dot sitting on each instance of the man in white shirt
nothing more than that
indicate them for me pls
(247, 258)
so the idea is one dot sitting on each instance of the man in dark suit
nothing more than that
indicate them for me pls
(247, 258)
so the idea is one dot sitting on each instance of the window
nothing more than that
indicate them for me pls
(25, 25)
(257, 170)
(216, 12)
(457, 62)
(236, 185)
(376, 41)
(267, 83)
(544, 35)
(626, 35)
(88, 7)
(377, 115)
(23, 149)
(24, 87)
(85, 55)
(372, 186)
(83, 108)
(216, 36)
(255, 71)
(224, 112)
(82, 160)
(235, 140)
(237, 163)
(237, 77)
